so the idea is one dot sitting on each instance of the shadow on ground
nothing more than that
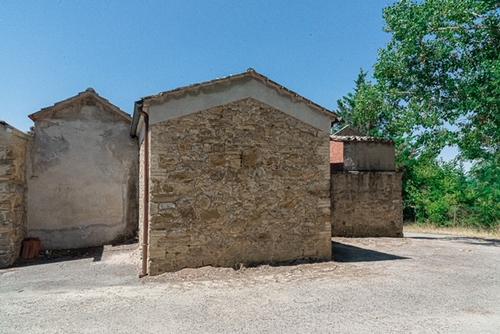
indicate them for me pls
(347, 253)
(465, 240)
(63, 255)
(341, 253)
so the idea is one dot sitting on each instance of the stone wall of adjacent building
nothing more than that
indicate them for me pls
(369, 156)
(239, 183)
(366, 204)
(82, 178)
(13, 147)
(362, 155)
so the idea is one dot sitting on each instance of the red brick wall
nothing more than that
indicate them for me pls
(336, 154)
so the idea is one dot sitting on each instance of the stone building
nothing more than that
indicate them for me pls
(13, 148)
(361, 153)
(234, 170)
(238, 170)
(81, 174)
(366, 190)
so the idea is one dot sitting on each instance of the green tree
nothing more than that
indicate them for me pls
(437, 83)
(443, 65)
(482, 194)
(434, 192)
(364, 109)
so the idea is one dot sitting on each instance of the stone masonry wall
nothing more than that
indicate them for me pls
(368, 156)
(13, 147)
(366, 204)
(238, 183)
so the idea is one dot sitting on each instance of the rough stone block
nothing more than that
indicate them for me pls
(13, 147)
(238, 183)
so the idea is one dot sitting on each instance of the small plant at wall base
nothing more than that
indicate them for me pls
(437, 84)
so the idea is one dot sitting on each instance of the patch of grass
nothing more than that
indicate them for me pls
(456, 230)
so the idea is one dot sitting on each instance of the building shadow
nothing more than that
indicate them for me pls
(127, 241)
(464, 240)
(348, 253)
(62, 255)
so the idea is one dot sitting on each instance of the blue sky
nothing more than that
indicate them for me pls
(50, 50)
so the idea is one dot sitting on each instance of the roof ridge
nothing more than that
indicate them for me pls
(91, 92)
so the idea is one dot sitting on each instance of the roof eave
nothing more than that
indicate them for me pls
(360, 139)
(252, 74)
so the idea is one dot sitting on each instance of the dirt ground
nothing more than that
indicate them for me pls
(423, 283)
(463, 231)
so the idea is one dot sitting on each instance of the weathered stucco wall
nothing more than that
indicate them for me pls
(366, 204)
(82, 180)
(368, 156)
(238, 183)
(13, 147)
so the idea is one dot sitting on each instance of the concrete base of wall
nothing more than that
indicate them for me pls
(366, 204)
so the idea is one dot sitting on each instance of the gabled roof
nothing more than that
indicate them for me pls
(9, 127)
(89, 93)
(195, 89)
(250, 73)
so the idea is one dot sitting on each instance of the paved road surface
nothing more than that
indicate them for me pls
(420, 284)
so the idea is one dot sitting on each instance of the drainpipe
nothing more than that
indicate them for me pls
(145, 229)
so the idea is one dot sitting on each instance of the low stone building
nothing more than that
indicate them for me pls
(360, 153)
(238, 170)
(234, 170)
(82, 174)
(13, 148)
(366, 189)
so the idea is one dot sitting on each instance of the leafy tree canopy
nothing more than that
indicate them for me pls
(443, 65)
(437, 83)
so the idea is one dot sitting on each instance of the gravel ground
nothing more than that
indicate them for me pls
(420, 284)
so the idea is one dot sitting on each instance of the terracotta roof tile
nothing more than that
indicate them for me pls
(360, 139)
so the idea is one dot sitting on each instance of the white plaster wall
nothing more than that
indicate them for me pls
(82, 179)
